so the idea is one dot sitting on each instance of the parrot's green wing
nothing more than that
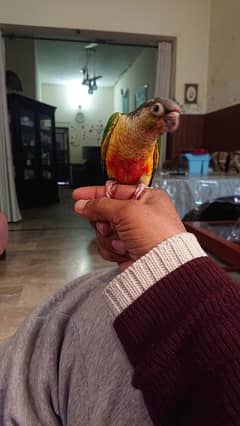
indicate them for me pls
(156, 157)
(156, 154)
(107, 135)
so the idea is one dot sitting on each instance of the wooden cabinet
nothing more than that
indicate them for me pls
(32, 129)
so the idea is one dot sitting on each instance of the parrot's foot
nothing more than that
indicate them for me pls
(111, 183)
(139, 190)
(109, 188)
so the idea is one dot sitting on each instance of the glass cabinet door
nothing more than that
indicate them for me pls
(29, 146)
(46, 142)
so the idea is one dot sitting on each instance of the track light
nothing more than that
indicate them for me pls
(90, 89)
(91, 82)
(94, 86)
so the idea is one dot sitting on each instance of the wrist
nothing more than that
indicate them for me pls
(150, 268)
(124, 265)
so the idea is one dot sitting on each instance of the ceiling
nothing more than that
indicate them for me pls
(60, 61)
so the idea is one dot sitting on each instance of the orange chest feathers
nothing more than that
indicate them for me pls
(128, 171)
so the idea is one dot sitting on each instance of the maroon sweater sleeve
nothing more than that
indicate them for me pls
(182, 337)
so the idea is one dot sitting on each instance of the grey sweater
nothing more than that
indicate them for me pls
(66, 366)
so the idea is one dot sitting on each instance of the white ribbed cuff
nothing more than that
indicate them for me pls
(153, 266)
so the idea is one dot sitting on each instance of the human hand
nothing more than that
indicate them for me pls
(127, 228)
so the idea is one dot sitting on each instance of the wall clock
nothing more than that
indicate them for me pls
(191, 93)
(79, 117)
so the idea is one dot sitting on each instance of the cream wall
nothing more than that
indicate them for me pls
(224, 57)
(20, 58)
(88, 132)
(187, 20)
(142, 72)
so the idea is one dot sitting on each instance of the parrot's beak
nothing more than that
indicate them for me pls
(176, 107)
(172, 120)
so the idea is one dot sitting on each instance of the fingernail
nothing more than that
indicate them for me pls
(100, 227)
(81, 204)
(119, 247)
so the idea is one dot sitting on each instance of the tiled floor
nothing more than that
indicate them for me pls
(48, 248)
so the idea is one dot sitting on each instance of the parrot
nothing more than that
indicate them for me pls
(130, 143)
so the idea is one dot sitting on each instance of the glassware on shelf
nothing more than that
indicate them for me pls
(27, 142)
(47, 174)
(46, 159)
(26, 121)
(45, 123)
(205, 190)
(46, 146)
(29, 174)
(170, 188)
(235, 233)
(28, 137)
(229, 231)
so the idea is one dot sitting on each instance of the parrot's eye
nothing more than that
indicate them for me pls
(157, 109)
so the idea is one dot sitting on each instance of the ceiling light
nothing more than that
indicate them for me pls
(89, 80)
(78, 94)
(90, 88)
(94, 86)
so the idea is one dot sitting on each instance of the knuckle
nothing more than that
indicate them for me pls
(129, 209)
(99, 202)
(163, 194)
(156, 192)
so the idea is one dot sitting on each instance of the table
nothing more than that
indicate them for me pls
(221, 238)
(189, 192)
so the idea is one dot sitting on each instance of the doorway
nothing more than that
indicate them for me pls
(125, 66)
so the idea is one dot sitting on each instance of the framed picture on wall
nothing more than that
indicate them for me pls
(141, 96)
(191, 93)
(125, 101)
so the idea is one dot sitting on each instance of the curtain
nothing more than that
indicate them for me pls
(8, 198)
(162, 84)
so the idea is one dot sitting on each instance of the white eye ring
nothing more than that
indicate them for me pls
(157, 109)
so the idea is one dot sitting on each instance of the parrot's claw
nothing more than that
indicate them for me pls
(111, 183)
(109, 188)
(139, 190)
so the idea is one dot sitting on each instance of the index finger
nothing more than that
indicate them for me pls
(121, 192)
(88, 193)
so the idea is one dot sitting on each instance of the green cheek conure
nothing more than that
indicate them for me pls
(129, 149)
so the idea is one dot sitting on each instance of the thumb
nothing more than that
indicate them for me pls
(101, 209)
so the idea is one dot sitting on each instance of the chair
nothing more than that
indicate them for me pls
(223, 208)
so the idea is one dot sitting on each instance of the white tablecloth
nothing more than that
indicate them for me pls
(188, 193)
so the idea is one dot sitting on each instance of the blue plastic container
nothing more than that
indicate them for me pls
(198, 164)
